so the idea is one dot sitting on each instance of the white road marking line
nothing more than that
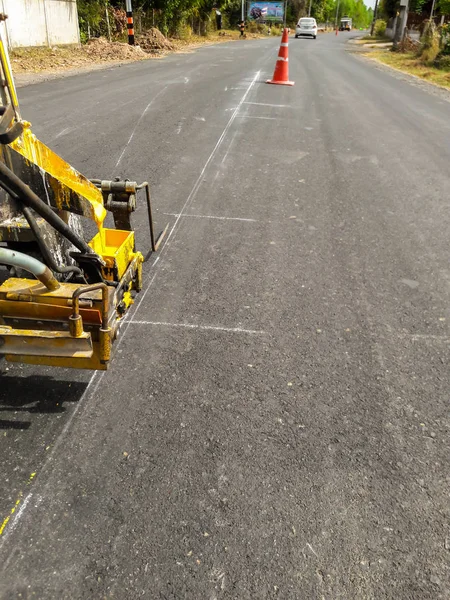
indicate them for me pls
(55, 446)
(137, 124)
(273, 105)
(198, 183)
(229, 147)
(17, 516)
(249, 117)
(63, 132)
(417, 337)
(211, 217)
(88, 392)
(202, 327)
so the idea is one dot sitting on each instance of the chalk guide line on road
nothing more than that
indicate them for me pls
(212, 217)
(252, 117)
(271, 105)
(201, 327)
(144, 112)
(95, 380)
(18, 507)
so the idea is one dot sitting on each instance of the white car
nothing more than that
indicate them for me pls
(306, 26)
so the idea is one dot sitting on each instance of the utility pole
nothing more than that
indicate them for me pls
(337, 14)
(130, 25)
(374, 17)
(309, 10)
(242, 10)
(402, 21)
(432, 11)
(107, 21)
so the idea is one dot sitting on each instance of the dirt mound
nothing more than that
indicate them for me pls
(100, 49)
(408, 45)
(152, 41)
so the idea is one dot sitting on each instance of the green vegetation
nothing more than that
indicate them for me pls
(181, 18)
(409, 62)
(389, 8)
(429, 59)
(324, 11)
(430, 43)
(380, 28)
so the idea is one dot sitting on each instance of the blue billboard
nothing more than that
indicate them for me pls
(266, 11)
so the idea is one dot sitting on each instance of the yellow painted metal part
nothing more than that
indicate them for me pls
(116, 247)
(64, 176)
(76, 326)
(40, 311)
(28, 146)
(8, 75)
(105, 346)
(43, 327)
(42, 343)
(35, 325)
(92, 363)
(31, 290)
(128, 298)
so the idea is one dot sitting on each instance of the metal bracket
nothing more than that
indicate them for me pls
(119, 197)
(8, 132)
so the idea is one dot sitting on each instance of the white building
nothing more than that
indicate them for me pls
(40, 22)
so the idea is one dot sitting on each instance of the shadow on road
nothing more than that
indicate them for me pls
(35, 394)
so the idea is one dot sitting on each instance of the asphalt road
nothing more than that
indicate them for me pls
(275, 422)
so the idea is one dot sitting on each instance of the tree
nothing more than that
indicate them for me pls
(388, 8)
(444, 7)
(323, 10)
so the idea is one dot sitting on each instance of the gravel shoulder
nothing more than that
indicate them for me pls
(24, 79)
(432, 88)
(378, 54)
(36, 65)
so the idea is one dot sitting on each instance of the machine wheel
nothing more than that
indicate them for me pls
(315, 36)
(296, 37)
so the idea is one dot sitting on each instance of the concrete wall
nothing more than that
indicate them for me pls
(412, 33)
(41, 22)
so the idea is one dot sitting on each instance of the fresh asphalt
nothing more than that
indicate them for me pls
(275, 421)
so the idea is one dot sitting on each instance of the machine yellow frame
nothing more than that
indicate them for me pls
(70, 314)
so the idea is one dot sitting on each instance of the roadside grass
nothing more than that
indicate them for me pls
(226, 35)
(35, 60)
(373, 40)
(409, 63)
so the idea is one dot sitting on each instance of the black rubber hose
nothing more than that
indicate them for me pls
(17, 188)
(47, 255)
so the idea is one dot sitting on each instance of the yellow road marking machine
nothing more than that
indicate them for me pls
(62, 297)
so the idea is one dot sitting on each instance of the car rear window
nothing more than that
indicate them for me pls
(307, 21)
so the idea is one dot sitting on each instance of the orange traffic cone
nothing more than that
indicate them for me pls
(281, 73)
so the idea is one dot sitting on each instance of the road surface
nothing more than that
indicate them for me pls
(275, 421)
